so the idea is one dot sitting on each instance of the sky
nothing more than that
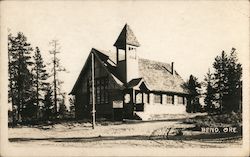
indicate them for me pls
(189, 33)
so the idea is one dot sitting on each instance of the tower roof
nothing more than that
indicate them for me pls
(126, 37)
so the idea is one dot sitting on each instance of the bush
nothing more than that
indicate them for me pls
(216, 120)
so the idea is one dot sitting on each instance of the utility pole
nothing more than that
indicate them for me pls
(93, 91)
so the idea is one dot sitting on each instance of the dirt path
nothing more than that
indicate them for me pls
(142, 134)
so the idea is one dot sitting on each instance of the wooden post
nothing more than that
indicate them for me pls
(134, 101)
(142, 97)
(93, 91)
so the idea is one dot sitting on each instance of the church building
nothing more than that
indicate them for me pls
(126, 86)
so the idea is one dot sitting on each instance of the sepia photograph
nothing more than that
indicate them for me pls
(124, 78)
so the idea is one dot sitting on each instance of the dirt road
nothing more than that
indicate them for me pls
(130, 134)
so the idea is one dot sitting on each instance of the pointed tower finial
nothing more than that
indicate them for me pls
(126, 37)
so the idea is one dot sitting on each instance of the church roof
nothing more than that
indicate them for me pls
(159, 77)
(156, 74)
(134, 82)
(126, 37)
(138, 84)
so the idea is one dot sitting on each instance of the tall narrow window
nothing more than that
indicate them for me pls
(139, 98)
(106, 100)
(170, 99)
(157, 98)
(121, 55)
(180, 100)
(101, 92)
(185, 100)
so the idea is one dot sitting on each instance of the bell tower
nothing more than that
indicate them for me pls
(126, 54)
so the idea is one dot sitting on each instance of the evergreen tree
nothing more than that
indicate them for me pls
(62, 107)
(210, 92)
(12, 93)
(57, 67)
(232, 98)
(20, 76)
(228, 81)
(221, 78)
(40, 77)
(48, 104)
(193, 104)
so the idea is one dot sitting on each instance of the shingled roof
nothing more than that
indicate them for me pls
(156, 74)
(126, 37)
(159, 77)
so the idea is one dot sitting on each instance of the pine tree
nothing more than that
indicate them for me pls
(21, 77)
(193, 104)
(40, 77)
(62, 107)
(221, 77)
(234, 82)
(12, 93)
(48, 104)
(57, 67)
(228, 81)
(210, 92)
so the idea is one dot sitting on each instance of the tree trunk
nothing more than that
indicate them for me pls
(37, 92)
(55, 93)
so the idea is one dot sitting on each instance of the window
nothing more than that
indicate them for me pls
(139, 98)
(157, 98)
(127, 98)
(106, 94)
(170, 99)
(101, 93)
(180, 100)
(131, 48)
(121, 55)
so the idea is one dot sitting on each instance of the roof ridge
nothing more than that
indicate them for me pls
(154, 60)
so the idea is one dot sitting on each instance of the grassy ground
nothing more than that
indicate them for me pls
(171, 133)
